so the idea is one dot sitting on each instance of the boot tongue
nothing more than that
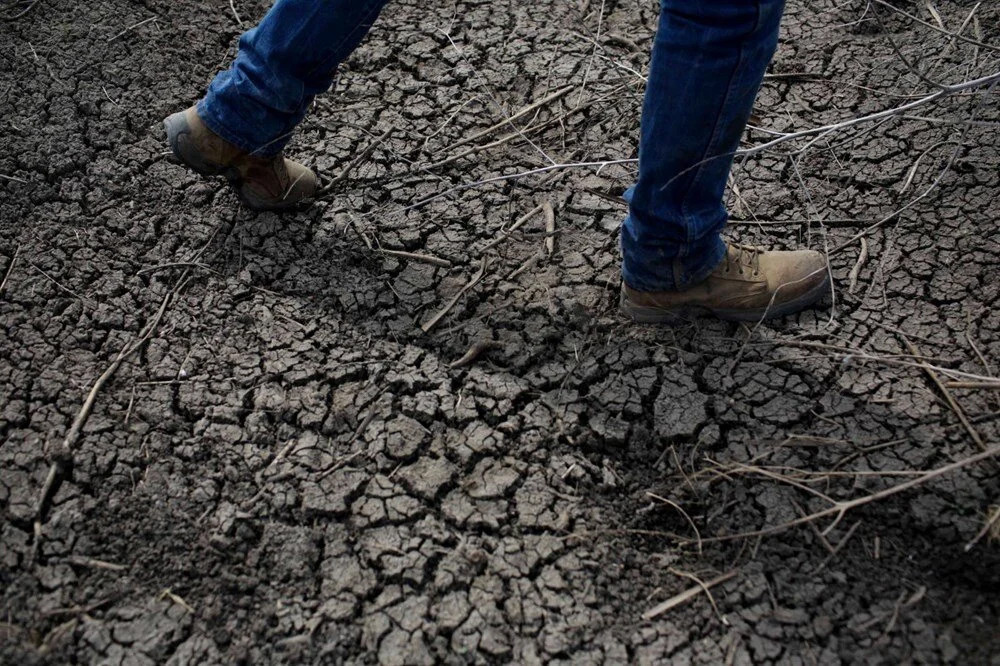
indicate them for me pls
(745, 255)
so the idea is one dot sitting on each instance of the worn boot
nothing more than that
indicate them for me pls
(748, 285)
(263, 183)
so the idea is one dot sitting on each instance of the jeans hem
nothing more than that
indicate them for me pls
(689, 277)
(211, 120)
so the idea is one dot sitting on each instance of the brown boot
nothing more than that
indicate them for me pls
(748, 285)
(263, 183)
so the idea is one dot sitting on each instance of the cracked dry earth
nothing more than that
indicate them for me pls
(291, 470)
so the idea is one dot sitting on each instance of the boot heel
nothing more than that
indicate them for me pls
(649, 315)
(177, 128)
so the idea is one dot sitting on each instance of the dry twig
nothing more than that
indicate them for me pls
(550, 228)
(63, 460)
(955, 407)
(474, 352)
(133, 27)
(473, 281)
(10, 269)
(687, 595)
(840, 508)
(364, 155)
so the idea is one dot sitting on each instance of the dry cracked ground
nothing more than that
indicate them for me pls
(288, 468)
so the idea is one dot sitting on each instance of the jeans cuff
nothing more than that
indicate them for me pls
(697, 269)
(674, 274)
(206, 111)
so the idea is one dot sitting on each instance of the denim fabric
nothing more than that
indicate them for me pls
(708, 62)
(709, 59)
(281, 66)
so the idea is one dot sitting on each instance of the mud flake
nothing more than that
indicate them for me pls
(331, 495)
(491, 479)
(404, 436)
(384, 500)
(462, 509)
(427, 476)
(400, 648)
(680, 408)
(451, 610)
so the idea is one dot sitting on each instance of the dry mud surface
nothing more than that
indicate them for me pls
(289, 469)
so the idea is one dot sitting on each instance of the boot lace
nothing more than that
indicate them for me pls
(743, 258)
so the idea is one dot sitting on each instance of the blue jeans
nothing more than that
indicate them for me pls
(709, 59)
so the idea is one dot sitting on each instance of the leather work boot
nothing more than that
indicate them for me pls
(750, 284)
(263, 183)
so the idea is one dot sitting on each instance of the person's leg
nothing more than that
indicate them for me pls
(709, 59)
(242, 125)
(281, 66)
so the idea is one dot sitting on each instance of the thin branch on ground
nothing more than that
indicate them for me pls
(840, 508)
(952, 403)
(232, 6)
(133, 27)
(346, 171)
(677, 507)
(63, 459)
(473, 281)
(559, 94)
(10, 269)
(687, 595)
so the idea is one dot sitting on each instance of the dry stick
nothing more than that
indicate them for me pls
(597, 45)
(916, 163)
(840, 508)
(473, 281)
(421, 258)
(955, 407)
(953, 35)
(994, 385)
(856, 271)
(514, 227)
(819, 535)
(523, 133)
(474, 352)
(441, 128)
(176, 264)
(529, 263)
(687, 595)
(13, 178)
(58, 283)
(133, 27)
(684, 513)
(517, 116)
(899, 211)
(945, 91)
(839, 546)
(979, 354)
(10, 269)
(704, 587)
(485, 85)
(21, 13)
(550, 228)
(232, 5)
(512, 176)
(847, 353)
(64, 458)
(991, 522)
(93, 563)
(365, 154)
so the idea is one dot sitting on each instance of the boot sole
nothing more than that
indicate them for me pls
(685, 314)
(176, 126)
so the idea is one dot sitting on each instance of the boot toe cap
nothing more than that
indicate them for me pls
(304, 184)
(793, 275)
